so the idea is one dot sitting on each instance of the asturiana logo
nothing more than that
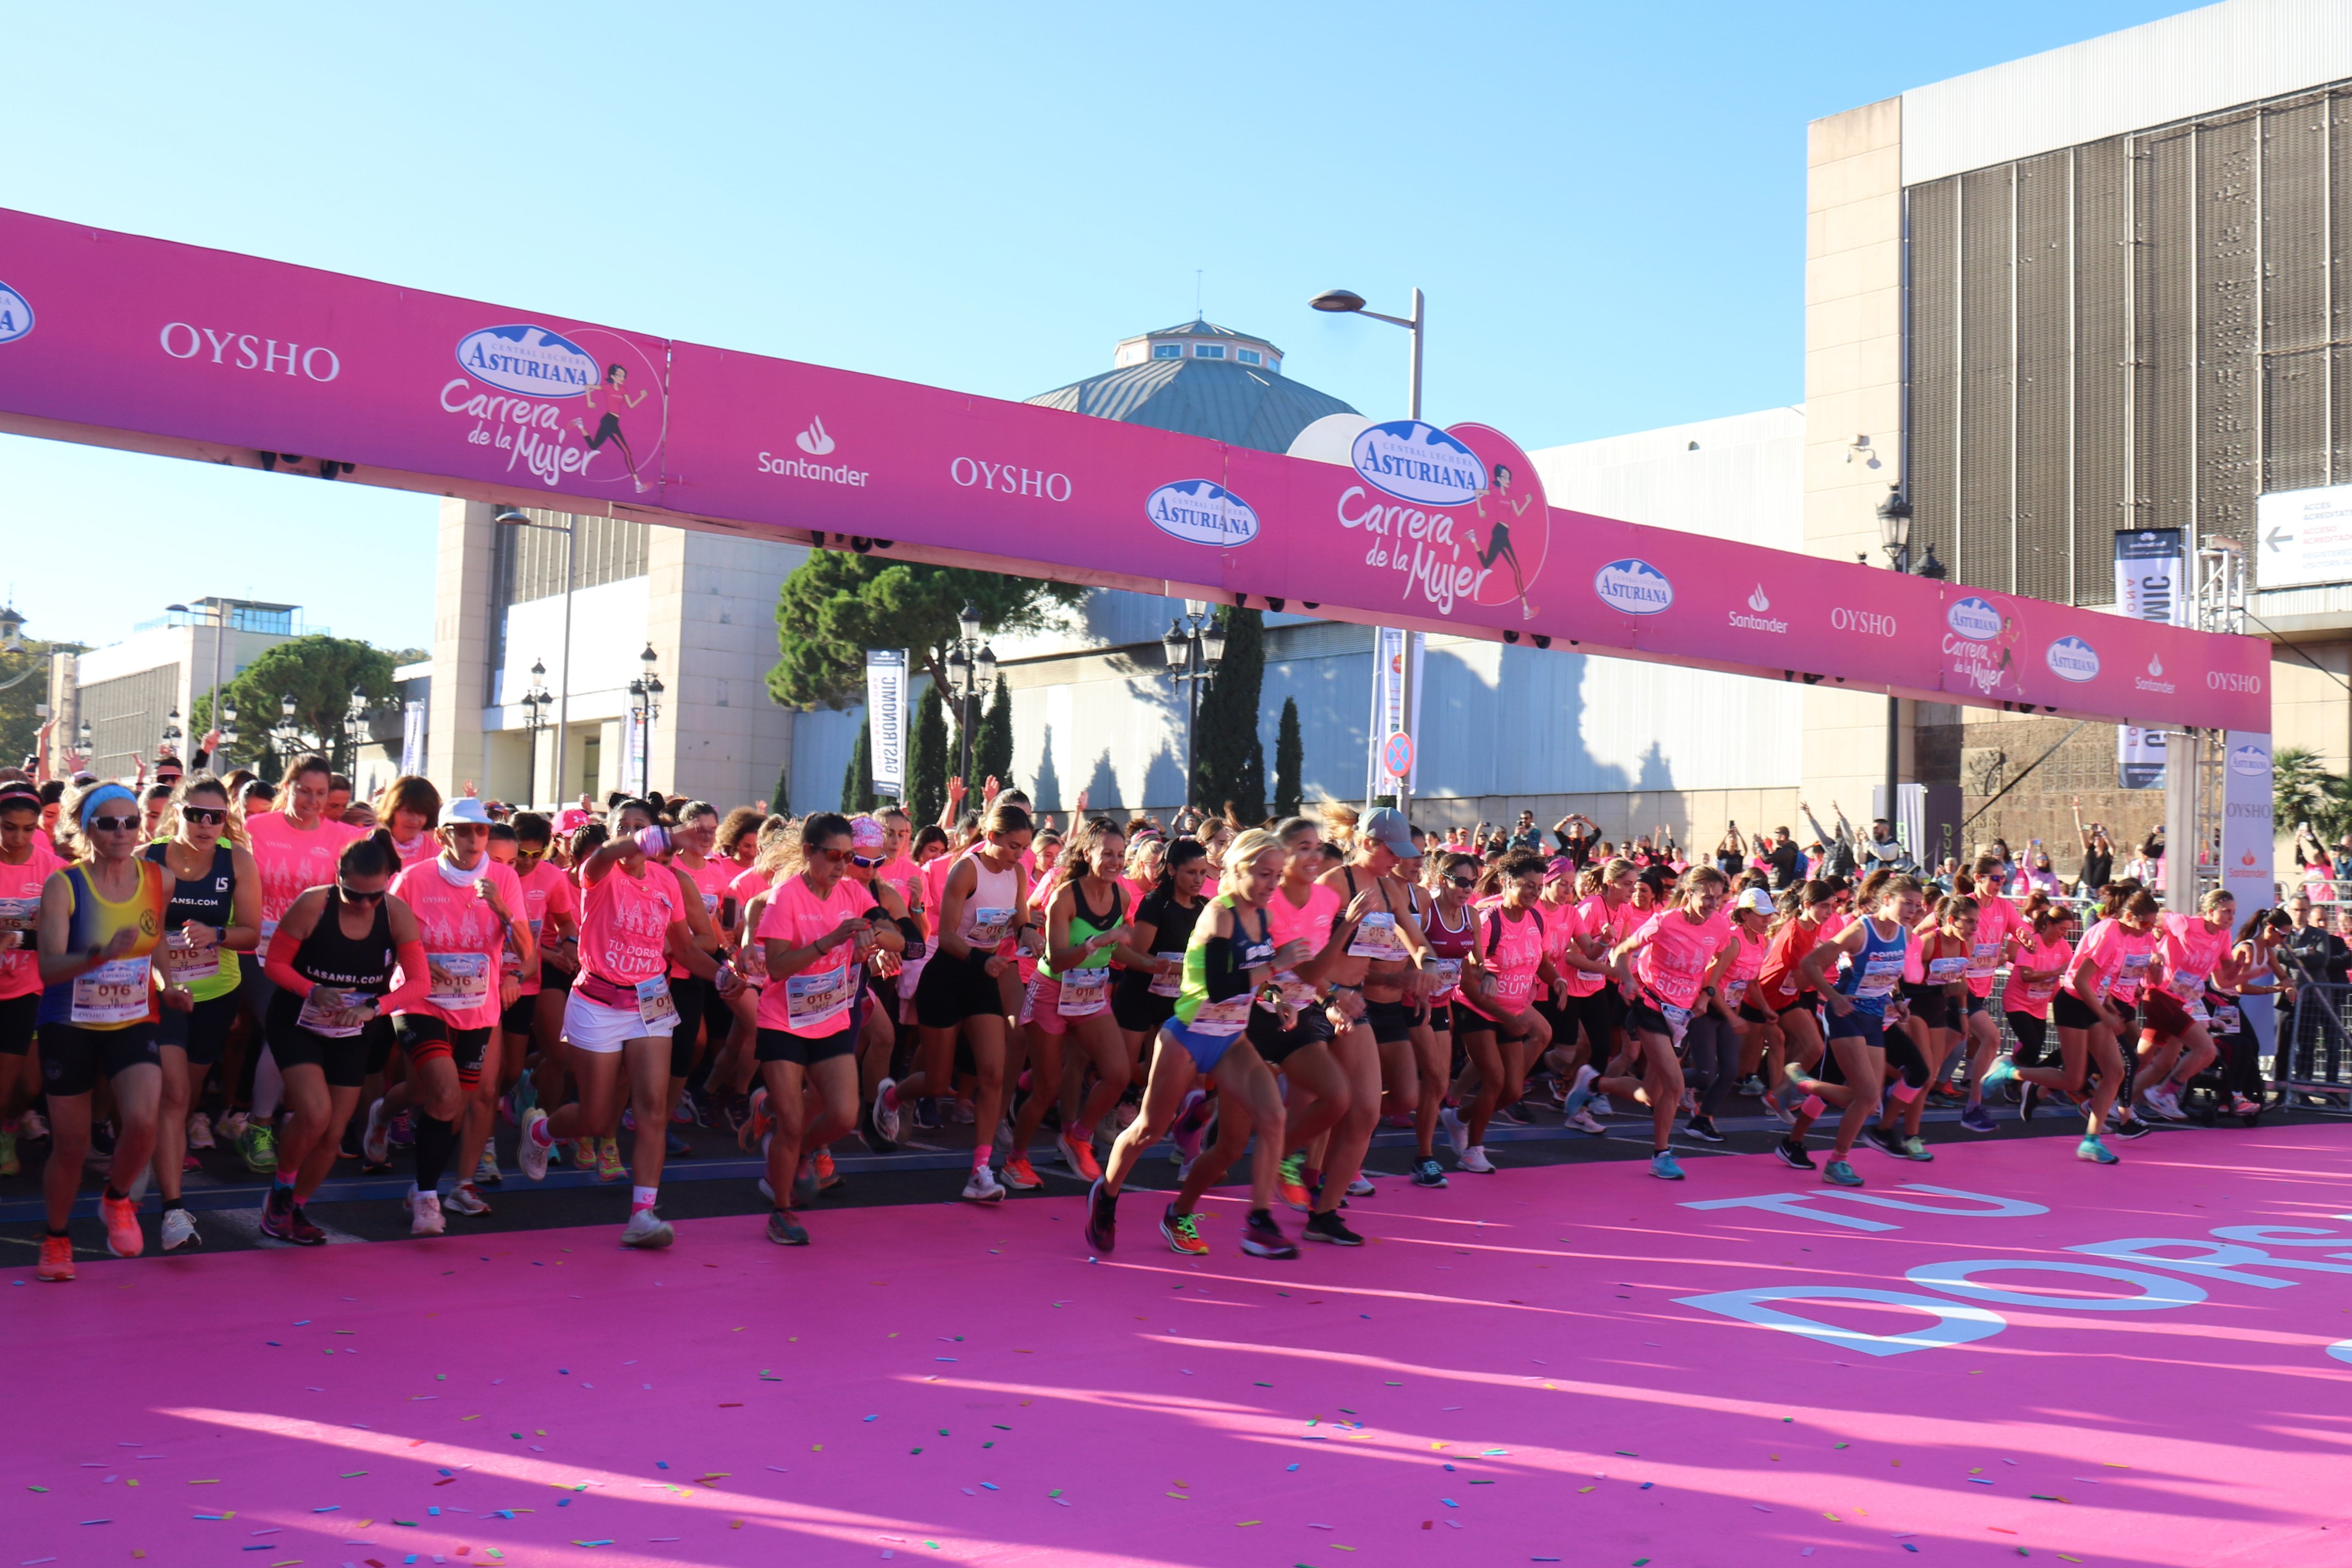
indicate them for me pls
(1418, 462)
(1201, 512)
(529, 360)
(15, 315)
(2249, 762)
(1633, 586)
(1974, 619)
(2071, 659)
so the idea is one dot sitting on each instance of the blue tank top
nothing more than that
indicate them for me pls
(1871, 976)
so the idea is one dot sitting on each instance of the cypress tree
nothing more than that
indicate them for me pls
(857, 782)
(782, 805)
(927, 756)
(1289, 761)
(1228, 758)
(992, 742)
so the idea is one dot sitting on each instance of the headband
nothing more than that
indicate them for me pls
(99, 797)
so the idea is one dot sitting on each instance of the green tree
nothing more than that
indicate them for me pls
(2304, 791)
(1228, 758)
(928, 757)
(857, 783)
(782, 805)
(991, 743)
(19, 723)
(1289, 761)
(835, 605)
(319, 673)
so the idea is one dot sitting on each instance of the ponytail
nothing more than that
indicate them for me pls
(371, 855)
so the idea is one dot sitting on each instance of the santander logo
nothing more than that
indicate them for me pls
(2153, 680)
(813, 440)
(1759, 621)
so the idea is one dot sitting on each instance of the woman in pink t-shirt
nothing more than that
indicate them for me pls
(2094, 1008)
(2175, 1044)
(1680, 954)
(1997, 919)
(2039, 954)
(26, 862)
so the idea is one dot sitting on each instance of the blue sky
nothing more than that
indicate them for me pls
(1604, 204)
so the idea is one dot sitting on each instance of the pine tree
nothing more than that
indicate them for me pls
(1289, 761)
(857, 782)
(992, 742)
(927, 756)
(1228, 758)
(782, 805)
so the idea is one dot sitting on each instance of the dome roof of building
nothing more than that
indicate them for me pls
(1201, 379)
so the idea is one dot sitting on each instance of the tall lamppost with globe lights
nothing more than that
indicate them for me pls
(1194, 646)
(971, 671)
(1895, 538)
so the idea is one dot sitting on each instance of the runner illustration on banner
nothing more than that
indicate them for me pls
(614, 392)
(1512, 534)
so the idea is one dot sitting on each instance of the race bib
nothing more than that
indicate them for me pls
(20, 915)
(654, 1005)
(710, 904)
(989, 926)
(1879, 977)
(269, 929)
(1449, 975)
(1376, 938)
(2228, 1020)
(457, 982)
(1169, 984)
(182, 965)
(2136, 965)
(1734, 992)
(1083, 992)
(1298, 992)
(1983, 959)
(811, 998)
(1678, 1021)
(335, 1022)
(1943, 971)
(1222, 1020)
(113, 993)
(2190, 988)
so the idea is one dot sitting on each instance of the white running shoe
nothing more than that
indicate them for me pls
(1455, 1133)
(1362, 1188)
(2162, 1102)
(645, 1229)
(983, 1187)
(179, 1230)
(486, 1169)
(375, 1143)
(200, 1131)
(1583, 1123)
(1475, 1161)
(231, 1126)
(886, 1115)
(464, 1198)
(424, 1212)
(531, 1154)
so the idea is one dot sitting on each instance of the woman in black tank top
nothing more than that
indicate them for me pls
(215, 914)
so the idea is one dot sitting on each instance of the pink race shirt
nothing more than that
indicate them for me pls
(465, 942)
(624, 923)
(1746, 964)
(1676, 953)
(2192, 951)
(1604, 928)
(815, 1003)
(2120, 958)
(1996, 919)
(416, 851)
(2032, 997)
(544, 889)
(1511, 949)
(20, 916)
(292, 861)
(710, 879)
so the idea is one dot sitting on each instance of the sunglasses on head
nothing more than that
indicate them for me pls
(114, 824)
(351, 896)
(209, 814)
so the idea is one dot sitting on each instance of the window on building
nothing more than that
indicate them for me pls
(1168, 350)
(1207, 350)
(1250, 356)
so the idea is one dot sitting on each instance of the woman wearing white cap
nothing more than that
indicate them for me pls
(1760, 1038)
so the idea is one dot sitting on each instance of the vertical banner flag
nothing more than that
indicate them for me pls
(1388, 706)
(886, 714)
(633, 753)
(2247, 843)
(2151, 584)
(412, 742)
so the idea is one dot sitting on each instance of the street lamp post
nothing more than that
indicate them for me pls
(220, 629)
(1194, 644)
(224, 720)
(1895, 538)
(645, 701)
(972, 669)
(355, 719)
(533, 701)
(286, 732)
(11, 624)
(171, 736)
(514, 517)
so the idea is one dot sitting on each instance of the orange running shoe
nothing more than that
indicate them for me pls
(57, 1258)
(123, 1237)
(1019, 1176)
(1079, 1156)
(827, 1177)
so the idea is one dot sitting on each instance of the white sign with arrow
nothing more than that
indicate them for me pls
(2303, 537)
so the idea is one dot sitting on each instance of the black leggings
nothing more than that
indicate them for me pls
(1710, 1060)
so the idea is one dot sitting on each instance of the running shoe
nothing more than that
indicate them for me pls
(2002, 1070)
(805, 1183)
(1079, 1157)
(33, 1130)
(827, 1178)
(1793, 1076)
(1362, 1188)
(1883, 1140)
(404, 1132)
(883, 1115)
(1328, 1226)
(200, 1131)
(530, 1152)
(1261, 1237)
(1702, 1128)
(2133, 1128)
(57, 1259)
(9, 1165)
(230, 1125)
(1456, 1133)
(302, 1231)
(1572, 1104)
(1020, 1175)
(2164, 1101)
(1182, 1231)
(375, 1145)
(423, 1213)
(784, 1230)
(1791, 1153)
(2096, 1151)
(1583, 1123)
(1191, 1122)
(1665, 1166)
(465, 1199)
(580, 1152)
(1473, 1160)
(926, 1115)
(1102, 1218)
(647, 1230)
(2030, 1102)
(1915, 1147)
(1428, 1173)
(179, 1230)
(608, 1159)
(123, 1237)
(1510, 1116)
(1977, 1119)
(277, 1213)
(2242, 1106)
(486, 1169)
(1294, 1183)
(1752, 1086)
(1839, 1174)
(257, 1147)
(1778, 1112)
(983, 1187)
(685, 1115)
(676, 1147)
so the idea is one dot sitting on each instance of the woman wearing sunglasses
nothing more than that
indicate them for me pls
(100, 920)
(469, 907)
(331, 961)
(214, 914)
(1085, 926)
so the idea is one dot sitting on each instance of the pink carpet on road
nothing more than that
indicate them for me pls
(1571, 1364)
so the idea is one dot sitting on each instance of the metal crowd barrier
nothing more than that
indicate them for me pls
(2316, 1055)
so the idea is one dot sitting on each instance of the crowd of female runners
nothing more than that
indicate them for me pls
(406, 971)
